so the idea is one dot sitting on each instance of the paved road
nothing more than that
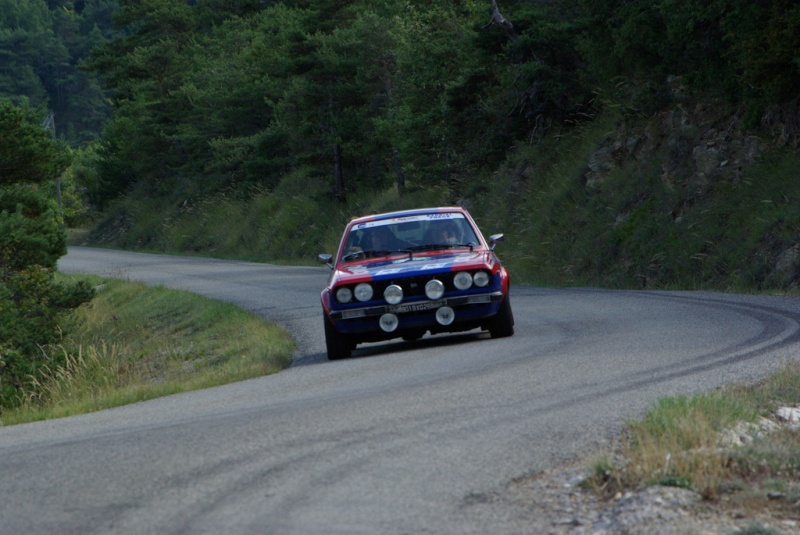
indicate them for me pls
(403, 438)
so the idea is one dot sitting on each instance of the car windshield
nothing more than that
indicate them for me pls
(403, 235)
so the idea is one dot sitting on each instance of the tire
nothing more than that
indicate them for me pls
(338, 345)
(502, 325)
(413, 336)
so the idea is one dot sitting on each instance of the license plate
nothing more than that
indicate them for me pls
(416, 307)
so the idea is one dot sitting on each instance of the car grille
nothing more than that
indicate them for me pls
(415, 286)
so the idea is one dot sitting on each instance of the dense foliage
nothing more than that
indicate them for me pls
(211, 94)
(42, 45)
(32, 304)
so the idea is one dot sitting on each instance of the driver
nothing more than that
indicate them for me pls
(369, 241)
(380, 239)
(444, 233)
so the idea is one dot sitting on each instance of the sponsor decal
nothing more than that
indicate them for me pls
(439, 265)
(388, 272)
(445, 215)
(410, 270)
(417, 265)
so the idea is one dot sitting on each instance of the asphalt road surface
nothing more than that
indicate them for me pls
(403, 438)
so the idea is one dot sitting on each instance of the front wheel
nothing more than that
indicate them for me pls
(337, 344)
(502, 325)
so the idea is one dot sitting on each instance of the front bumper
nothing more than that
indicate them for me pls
(417, 315)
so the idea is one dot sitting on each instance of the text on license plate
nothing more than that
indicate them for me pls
(416, 307)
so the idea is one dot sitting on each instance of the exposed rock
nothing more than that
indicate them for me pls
(744, 433)
(790, 416)
(707, 159)
(699, 144)
(659, 508)
(788, 259)
(558, 505)
(699, 147)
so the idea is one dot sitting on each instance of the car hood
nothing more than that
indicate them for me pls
(416, 265)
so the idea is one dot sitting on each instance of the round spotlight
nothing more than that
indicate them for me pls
(389, 323)
(445, 316)
(481, 279)
(462, 280)
(363, 292)
(434, 289)
(393, 294)
(344, 295)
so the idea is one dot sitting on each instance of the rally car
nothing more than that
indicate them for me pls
(406, 274)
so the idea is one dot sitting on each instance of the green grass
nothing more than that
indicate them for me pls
(677, 443)
(134, 342)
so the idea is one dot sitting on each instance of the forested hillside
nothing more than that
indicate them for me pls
(210, 95)
(254, 128)
(42, 44)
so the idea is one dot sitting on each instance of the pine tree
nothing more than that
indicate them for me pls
(32, 304)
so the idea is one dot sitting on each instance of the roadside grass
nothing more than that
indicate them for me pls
(680, 442)
(134, 343)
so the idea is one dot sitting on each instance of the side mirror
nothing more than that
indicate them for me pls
(326, 259)
(494, 239)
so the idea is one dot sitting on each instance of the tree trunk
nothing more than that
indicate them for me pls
(398, 171)
(50, 124)
(338, 189)
(500, 20)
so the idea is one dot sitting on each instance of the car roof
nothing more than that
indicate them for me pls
(404, 213)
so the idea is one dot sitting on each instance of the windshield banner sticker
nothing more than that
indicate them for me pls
(407, 219)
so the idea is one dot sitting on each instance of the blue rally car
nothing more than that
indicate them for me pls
(403, 274)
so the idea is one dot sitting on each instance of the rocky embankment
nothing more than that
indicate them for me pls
(557, 503)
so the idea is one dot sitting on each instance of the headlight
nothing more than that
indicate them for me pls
(364, 292)
(462, 280)
(393, 294)
(445, 316)
(344, 295)
(389, 323)
(434, 289)
(481, 278)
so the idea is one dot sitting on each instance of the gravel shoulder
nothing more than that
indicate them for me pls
(555, 503)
